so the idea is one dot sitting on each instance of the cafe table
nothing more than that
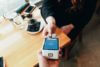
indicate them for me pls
(20, 48)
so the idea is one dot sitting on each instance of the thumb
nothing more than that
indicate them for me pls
(49, 32)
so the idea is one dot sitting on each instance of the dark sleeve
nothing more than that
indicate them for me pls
(49, 8)
(81, 17)
(83, 12)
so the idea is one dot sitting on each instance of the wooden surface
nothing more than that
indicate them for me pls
(20, 48)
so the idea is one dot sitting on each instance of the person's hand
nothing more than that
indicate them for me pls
(44, 62)
(67, 28)
(50, 28)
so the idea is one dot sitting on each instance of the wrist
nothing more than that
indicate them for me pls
(50, 20)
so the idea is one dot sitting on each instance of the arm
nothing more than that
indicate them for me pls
(48, 11)
(49, 8)
(83, 12)
(82, 16)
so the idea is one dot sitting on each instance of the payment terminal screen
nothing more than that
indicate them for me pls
(51, 44)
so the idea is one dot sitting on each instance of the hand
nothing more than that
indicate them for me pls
(67, 28)
(50, 28)
(44, 62)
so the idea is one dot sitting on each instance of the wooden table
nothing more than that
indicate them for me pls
(20, 48)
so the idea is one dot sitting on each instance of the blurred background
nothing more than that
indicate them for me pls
(9, 5)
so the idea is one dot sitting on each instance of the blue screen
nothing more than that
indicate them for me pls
(51, 44)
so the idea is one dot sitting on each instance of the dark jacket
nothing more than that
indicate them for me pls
(79, 15)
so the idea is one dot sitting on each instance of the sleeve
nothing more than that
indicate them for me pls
(83, 12)
(49, 8)
(81, 17)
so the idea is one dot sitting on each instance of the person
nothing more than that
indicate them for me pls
(73, 15)
(69, 15)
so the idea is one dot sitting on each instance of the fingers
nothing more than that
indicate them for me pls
(43, 62)
(60, 53)
(41, 57)
(45, 32)
(49, 30)
(68, 28)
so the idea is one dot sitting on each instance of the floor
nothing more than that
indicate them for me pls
(89, 52)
